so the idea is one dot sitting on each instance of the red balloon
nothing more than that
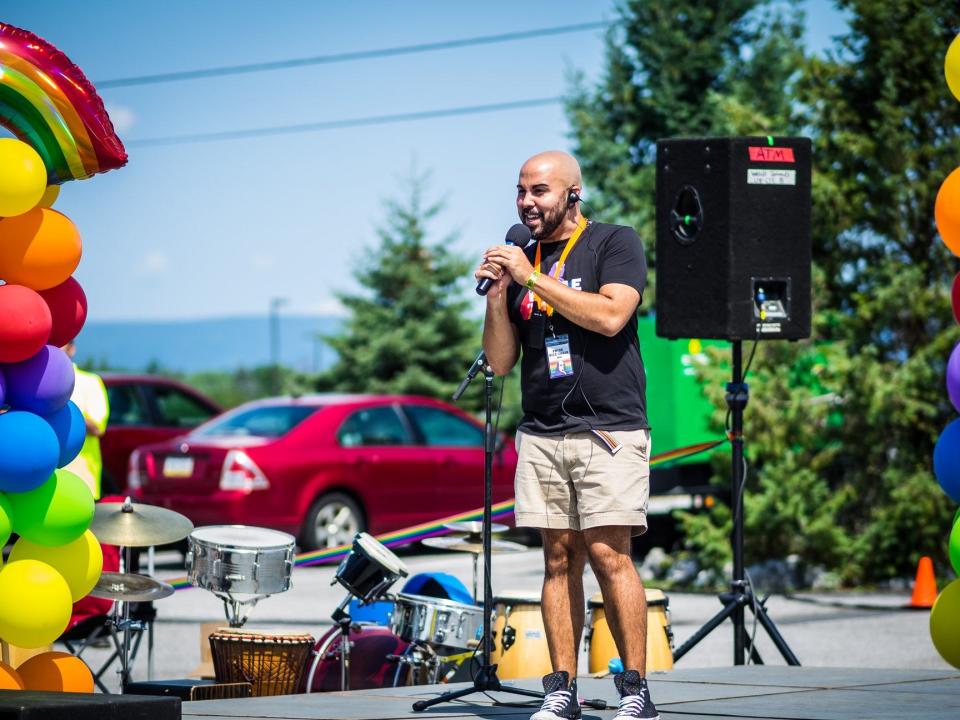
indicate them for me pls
(68, 308)
(955, 297)
(25, 323)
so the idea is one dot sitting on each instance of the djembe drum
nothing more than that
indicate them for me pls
(273, 662)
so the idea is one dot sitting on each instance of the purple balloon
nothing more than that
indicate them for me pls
(41, 384)
(3, 388)
(953, 377)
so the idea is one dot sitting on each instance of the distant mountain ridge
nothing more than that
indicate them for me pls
(207, 344)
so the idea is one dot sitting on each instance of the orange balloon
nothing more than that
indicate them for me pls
(56, 671)
(947, 212)
(9, 678)
(39, 249)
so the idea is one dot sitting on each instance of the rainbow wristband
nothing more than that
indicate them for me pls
(531, 282)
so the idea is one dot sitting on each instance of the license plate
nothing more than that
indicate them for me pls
(178, 466)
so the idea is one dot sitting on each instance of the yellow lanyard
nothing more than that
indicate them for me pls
(581, 226)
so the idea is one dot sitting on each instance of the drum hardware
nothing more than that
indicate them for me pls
(367, 572)
(472, 543)
(240, 564)
(444, 625)
(128, 525)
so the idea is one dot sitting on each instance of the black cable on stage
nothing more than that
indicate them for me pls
(338, 124)
(347, 56)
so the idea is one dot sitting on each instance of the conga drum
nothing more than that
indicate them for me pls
(519, 640)
(273, 662)
(603, 649)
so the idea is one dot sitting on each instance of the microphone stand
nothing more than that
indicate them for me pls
(486, 679)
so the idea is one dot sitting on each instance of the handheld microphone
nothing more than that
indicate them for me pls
(519, 235)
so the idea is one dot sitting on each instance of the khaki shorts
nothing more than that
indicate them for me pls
(573, 482)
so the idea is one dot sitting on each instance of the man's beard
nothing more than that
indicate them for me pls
(552, 219)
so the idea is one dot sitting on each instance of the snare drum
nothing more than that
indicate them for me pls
(519, 640)
(443, 624)
(273, 662)
(240, 560)
(373, 663)
(659, 635)
(369, 569)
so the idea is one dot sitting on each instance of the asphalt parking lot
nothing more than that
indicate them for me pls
(836, 630)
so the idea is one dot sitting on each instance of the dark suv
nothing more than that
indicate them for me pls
(146, 409)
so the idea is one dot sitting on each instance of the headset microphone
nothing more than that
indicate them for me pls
(519, 235)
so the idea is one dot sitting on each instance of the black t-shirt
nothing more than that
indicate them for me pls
(608, 386)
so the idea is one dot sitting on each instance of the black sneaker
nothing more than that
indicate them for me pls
(635, 699)
(561, 701)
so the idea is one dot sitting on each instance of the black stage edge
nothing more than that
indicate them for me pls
(35, 705)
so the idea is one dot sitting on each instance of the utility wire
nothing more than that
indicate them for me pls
(347, 56)
(337, 124)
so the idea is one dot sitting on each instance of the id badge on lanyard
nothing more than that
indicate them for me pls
(559, 357)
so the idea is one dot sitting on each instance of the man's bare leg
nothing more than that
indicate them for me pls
(564, 556)
(624, 600)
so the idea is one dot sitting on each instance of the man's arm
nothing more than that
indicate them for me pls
(605, 312)
(501, 342)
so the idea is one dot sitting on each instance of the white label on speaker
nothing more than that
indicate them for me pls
(756, 176)
(769, 327)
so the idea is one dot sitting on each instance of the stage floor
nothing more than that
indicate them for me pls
(777, 692)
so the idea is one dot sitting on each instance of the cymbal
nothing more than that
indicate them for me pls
(475, 527)
(131, 587)
(137, 525)
(464, 544)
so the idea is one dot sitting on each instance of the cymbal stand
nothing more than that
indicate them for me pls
(343, 619)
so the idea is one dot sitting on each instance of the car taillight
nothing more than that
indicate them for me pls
(134, 476)
(242, 473)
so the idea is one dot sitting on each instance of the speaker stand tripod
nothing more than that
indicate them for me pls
(741, 594)
(486, 679)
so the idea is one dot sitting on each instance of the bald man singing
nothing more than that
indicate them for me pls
(566, 306)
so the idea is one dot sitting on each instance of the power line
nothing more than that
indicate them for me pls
(337, 124)
(348, 56)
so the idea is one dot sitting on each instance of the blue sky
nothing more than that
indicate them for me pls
(219, 228)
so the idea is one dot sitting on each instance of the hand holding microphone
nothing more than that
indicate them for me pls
(518, 235)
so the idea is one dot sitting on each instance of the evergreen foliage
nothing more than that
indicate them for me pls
(410, 331)
(840, 429)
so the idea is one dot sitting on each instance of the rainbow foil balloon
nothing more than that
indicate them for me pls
(46, 101)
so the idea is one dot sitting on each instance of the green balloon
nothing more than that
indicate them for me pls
(6, 520)
(954, 545)
(944, 628)
(56, 513)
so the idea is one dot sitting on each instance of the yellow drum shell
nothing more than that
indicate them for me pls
(602, 648)
(527, 656)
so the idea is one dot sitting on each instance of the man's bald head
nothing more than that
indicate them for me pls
(557, 164)
(544, 200)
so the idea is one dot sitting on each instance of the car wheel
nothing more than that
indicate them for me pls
(333, 520)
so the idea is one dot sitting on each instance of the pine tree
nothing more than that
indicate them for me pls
(410, 331)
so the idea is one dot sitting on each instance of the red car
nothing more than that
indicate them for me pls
(325, 467)
(146, 409)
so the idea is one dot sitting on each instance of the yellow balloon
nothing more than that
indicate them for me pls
(36, 604)
(944, 624)
(23, 177)
(951, 67)
(80, 562)
(50, 196)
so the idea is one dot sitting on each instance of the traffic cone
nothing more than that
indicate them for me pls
(925, 586)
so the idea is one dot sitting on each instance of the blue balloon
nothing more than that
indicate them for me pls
(946, 460)
(71, 430)
(28, 451)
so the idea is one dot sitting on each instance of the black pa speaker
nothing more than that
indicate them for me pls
(733, 238)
